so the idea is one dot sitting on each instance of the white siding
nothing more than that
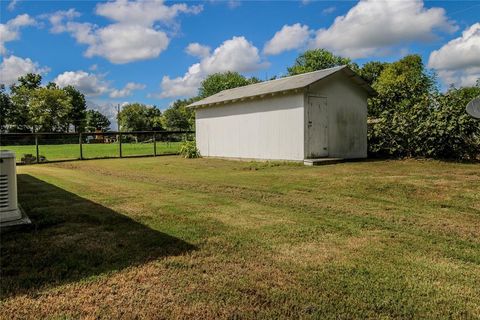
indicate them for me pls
(347, 116)
(271, 128)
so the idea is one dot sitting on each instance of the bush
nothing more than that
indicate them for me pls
(436, 127)
(30, 158)
(189, 150)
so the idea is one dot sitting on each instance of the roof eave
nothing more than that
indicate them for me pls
(258, 96)
(360, 81)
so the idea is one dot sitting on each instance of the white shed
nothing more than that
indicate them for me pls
(321, 114)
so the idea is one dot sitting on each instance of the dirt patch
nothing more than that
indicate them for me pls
(329, 250)
(248, 215)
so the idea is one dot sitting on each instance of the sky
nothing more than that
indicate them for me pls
(155, 52)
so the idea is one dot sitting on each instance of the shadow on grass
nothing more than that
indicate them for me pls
(72, 238)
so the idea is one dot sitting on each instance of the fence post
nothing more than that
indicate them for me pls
(120, 143)
(36, 148)
(154, 144)
(81, 147)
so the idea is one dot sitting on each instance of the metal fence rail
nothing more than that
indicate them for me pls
(53, 147)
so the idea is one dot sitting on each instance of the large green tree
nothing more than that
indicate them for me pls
(318, 59)
(371, 71)
(49, 109)
(401, 85)
(178, 117)
(96, 120)
(77, 115)
(217, 82)
(139, 117)
(21, 94)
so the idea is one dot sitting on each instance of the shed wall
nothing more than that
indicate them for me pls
(347, 116)
(271, 128)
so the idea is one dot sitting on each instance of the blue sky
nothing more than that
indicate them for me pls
(155, 52)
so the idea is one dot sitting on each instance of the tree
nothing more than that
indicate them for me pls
(450, 132)
(21, 95)
(178, 117)
(30, 81)
(370, 71)
(139, 117)
(155, 116)
(318, 59)
(217, 82)
(77, 115)
(405, 95)
(96, 120)
(401, 85)
(414, 120)
(6, 108)
(49, 109)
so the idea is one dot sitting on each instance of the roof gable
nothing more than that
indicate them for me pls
(296, 82)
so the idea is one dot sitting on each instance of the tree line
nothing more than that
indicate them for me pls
(410, 116)
(31, 107)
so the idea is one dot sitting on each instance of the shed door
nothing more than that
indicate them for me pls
(317, 127)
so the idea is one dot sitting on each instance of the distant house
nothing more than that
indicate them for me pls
(312, 115)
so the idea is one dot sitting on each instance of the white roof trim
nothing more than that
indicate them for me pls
(277, 86)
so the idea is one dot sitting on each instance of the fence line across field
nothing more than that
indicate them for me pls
(22, 143)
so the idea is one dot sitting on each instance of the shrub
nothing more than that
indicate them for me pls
(189, 150)
(30, 158)
(436, 127)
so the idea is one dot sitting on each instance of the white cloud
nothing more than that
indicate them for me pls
(288, 38)
(371, 26)
(183, 86)
(329, 10)
(236, 54)
(458, 61)
(93, 85)
(460, 78)
(13, 67)
(11, 6)
(57, 19)
(88, 83)
(134, 34)
(127, 90)
(232, 4)
(143, 12)
(197, 50)
(11, 30)
(107, 108)
(123, 43)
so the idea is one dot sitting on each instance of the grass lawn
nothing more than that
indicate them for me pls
(72, 151)
(163, 238)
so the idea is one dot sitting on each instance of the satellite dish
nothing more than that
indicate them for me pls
(473, 108)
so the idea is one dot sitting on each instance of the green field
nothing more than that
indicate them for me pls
(72, 151)
(173, 238)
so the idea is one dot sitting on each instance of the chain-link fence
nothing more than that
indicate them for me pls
(47, 147)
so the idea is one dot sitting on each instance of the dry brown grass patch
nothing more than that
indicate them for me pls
(328, 250)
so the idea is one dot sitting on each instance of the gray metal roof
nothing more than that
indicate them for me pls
(280, 85)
